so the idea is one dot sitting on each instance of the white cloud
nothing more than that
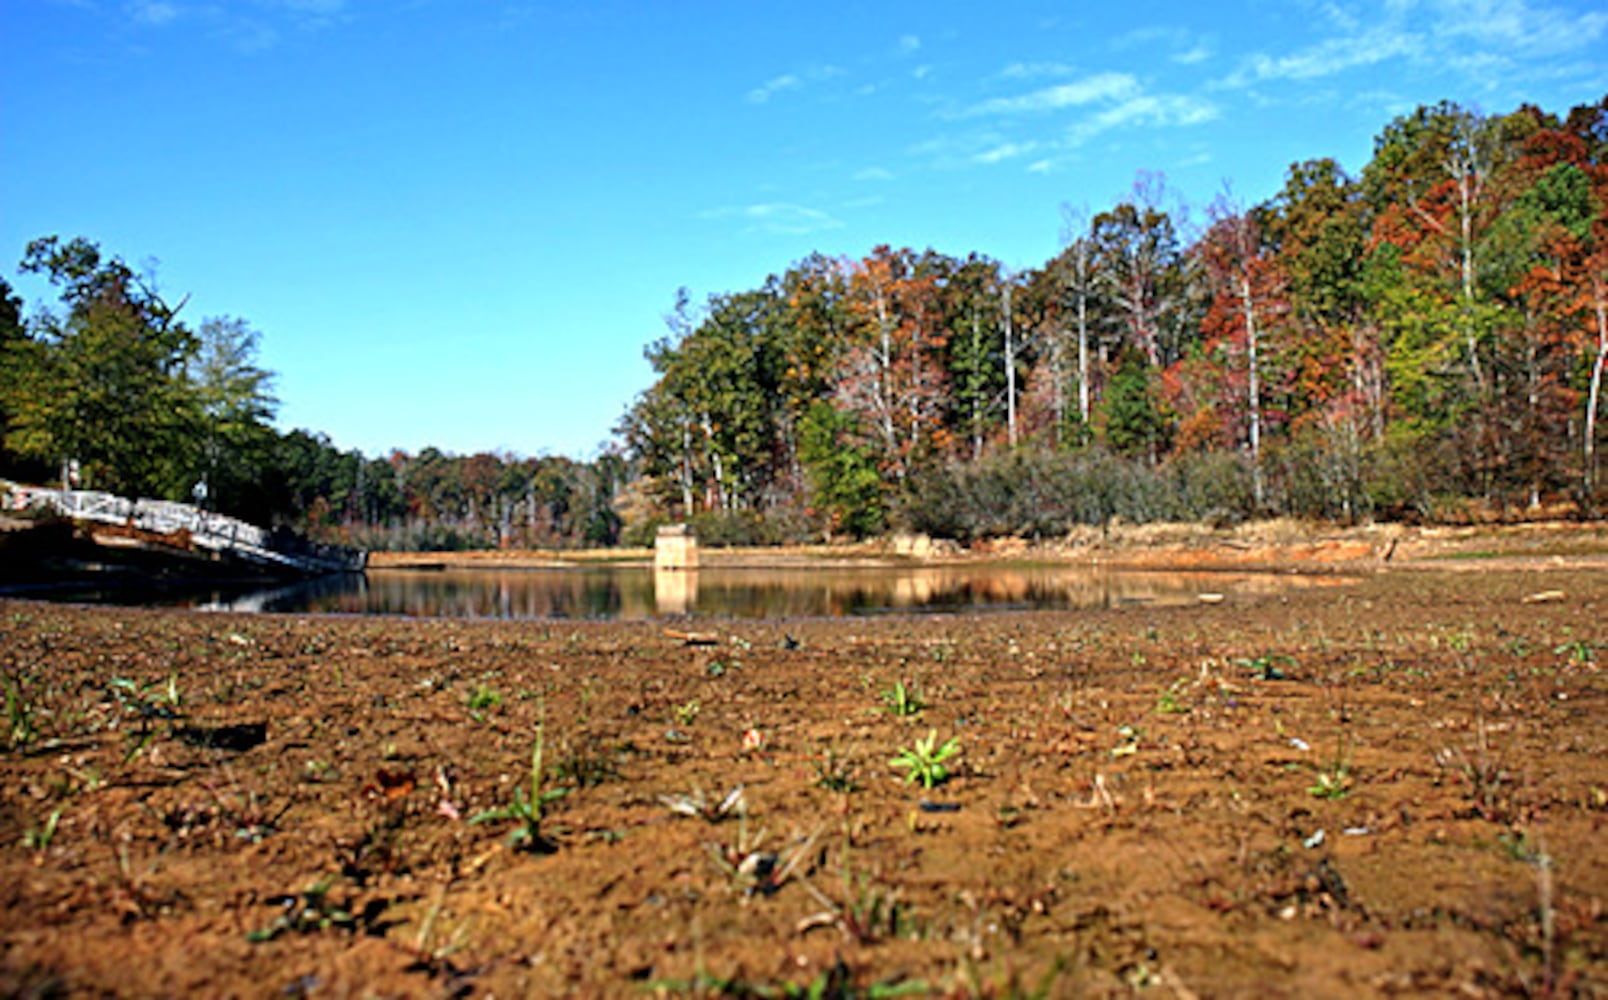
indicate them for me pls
(321, 8)
(1199, 54)
(774, 86)
(1331, 56)
(1476, 39)
(1027, 71)
(1165, 110)
(1084, 108)
(1101, 86)
(1537, 30)
(248, 27)
(153, 12)
(778, 218)
(793, 81)
(1005, 151)
(874, 174)
(909, 45)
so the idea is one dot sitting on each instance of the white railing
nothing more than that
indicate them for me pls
(206, 530)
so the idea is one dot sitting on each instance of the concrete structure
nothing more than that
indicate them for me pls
(676, 547)
(181, 526)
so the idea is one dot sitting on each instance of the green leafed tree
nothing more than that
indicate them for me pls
(234, 407)
(1134, 423)
(845, 485)
(103, 384)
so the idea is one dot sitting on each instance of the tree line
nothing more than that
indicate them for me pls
(1422, 340)
(116, 392)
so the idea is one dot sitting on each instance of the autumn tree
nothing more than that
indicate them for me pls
(1317, 229)
(1140, 259)
(1247, 295)
(892, 375)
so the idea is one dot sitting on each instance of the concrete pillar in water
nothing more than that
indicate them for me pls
(676, 547)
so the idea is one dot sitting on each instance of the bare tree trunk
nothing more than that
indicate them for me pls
(1253, 390)
(1594, 394)
(881, 389)
(686, 467)
(976, 394)
(722, 501)
(1083, 340)
(1010, 368)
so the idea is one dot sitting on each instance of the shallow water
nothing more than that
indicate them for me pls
(616, 593)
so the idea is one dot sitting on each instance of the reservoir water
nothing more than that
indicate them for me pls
(616, 593)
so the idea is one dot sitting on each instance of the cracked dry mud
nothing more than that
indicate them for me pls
(1397, 786)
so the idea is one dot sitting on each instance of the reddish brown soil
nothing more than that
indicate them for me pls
(1415, 807)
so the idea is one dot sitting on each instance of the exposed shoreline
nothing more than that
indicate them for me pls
(40, 559)
(1266, 545)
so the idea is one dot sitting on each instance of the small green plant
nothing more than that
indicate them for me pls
(835, 774)
(687, 714)
(307, 911)
(434, 956)
(483, 699)
(902, 700)
(1485, 774)
(865, 913)
(585, 762)
(39, 840)
(1332, 783)
(156, 701)
(925, 760)
(527, 810)
(1268, 668)
(1579, 651)
(1171, 701)
(19, 714)
(1129, 737)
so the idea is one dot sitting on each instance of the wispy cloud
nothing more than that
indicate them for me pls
(249, 27)
(1173, 110)
(1534, 28)
(776, 85)
(874, 174)
(1186, 47)
(153, 12)
(1028, 71)
(778, 218)
(1006, 151)
(1080, 109)
(909, 45)
(1478, 39)
(1101, 86)
(792, 81)
(1331, 56)
(1199, 53)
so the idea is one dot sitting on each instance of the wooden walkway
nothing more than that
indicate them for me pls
(181, 525)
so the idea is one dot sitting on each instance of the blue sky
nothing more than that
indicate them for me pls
(457, 223)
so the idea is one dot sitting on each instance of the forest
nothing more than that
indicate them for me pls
(1425, 341)
(1420, 341)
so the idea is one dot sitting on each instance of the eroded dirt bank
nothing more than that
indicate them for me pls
(1394, 788)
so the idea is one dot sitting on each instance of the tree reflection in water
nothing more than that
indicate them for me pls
(637, 593)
